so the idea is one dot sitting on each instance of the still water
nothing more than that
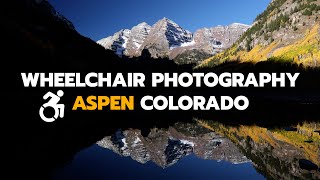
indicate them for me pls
(98, 163)
(201, 150)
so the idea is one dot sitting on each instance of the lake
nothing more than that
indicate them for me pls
(200, 150)
(99, 163)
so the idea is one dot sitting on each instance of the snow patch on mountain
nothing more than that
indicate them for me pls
(187, 142)
(188, 44)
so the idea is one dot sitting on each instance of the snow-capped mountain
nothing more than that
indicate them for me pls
(164, 36)
(137, 37)
(220, 37)
(127, 42)
(117, 42)
(207, 42)
(167, 39)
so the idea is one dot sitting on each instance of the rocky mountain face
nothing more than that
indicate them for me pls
(220, 36)
(138, 36)
(127, 42)
(288, 30)
(168, 39)
(208, 41)
(167, 147)
(164, 36)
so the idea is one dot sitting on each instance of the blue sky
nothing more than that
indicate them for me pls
(97, 19)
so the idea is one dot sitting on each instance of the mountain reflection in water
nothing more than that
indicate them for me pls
(273, 153)
(277, 153)
(167, 147)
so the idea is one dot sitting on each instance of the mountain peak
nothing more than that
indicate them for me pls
(169, 33)
(167, 39)
(143, 24)
(165, 19)
(239, 24)
(125, 30)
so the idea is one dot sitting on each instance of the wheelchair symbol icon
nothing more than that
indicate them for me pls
(53, 102)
